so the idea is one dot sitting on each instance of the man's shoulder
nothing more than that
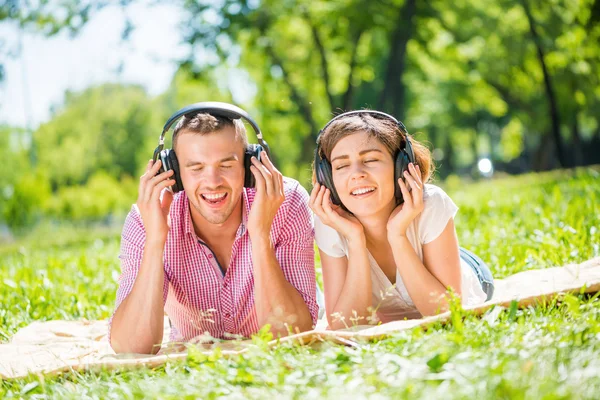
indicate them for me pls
(293, 188)
(295, 194)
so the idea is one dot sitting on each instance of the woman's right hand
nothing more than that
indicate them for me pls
(155, 212)
(334, 216)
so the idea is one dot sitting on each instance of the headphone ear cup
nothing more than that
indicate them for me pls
(170, 162)
(402, 161)
(325, 177)
(178, 186)
(252, 150)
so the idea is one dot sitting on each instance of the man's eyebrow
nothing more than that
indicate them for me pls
(345, 156)
(192, 163)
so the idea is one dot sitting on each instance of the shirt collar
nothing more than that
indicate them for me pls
(189, 227)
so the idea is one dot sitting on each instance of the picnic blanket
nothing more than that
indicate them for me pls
(60, 346)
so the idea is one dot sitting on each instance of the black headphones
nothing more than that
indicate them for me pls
(402, 158)
(169, 159)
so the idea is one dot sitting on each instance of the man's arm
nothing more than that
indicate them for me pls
(277, 301)
(137, 325)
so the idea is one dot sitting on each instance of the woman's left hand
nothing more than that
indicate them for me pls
(406, 212)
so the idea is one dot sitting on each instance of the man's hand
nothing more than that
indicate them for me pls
(155, 212)
(335, 217)
(269, 196)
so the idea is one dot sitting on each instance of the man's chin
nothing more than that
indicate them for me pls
(215, 217)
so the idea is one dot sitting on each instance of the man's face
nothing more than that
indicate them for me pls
(212, 172)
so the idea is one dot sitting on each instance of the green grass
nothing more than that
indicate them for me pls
(548, 352)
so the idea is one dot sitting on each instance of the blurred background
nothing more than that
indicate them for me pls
(493, 86)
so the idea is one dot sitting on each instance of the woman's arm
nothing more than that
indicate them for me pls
(347, 284)
(347, 280)
(427, 281)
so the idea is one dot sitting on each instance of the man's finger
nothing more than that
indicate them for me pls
(152, 183)
(259, 178)
(159, 188)
(148, 173)
(267, 176)
(264, 158)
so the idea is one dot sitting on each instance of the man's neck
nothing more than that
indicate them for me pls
(212, 234)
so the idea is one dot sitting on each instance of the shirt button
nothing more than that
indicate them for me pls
(227, 315)
(210, 256)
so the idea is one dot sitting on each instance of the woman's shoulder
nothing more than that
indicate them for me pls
(438, 209)
(434, 195)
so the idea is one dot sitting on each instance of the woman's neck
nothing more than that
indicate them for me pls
(375, 225)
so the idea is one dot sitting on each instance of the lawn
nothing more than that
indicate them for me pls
(527, 222)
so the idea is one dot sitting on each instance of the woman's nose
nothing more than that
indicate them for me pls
(357, 171)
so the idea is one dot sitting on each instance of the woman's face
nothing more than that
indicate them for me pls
(363, 174)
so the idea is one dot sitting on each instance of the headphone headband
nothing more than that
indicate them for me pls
(358, 112)
(215, 108)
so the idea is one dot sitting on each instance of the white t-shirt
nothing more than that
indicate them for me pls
(394, 302)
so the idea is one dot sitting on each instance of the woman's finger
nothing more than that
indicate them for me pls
(405, 193)
(332, 215)
(416, 174)
(318, 204)
(313, 194)
(411, 181)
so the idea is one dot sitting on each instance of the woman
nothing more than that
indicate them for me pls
(387, 241)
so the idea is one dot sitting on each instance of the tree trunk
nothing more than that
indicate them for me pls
(393, 95)
(347, 98)
(552, 105)
(577, 150)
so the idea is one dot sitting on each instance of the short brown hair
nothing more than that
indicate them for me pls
(382, 129)
(203, 124)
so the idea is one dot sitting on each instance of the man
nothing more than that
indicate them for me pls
(220, 258)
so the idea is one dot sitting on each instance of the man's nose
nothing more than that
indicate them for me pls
(213, 177)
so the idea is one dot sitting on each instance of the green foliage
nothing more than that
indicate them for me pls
(551, 351)
(25, 200)
(101, 197)
(23, 191)
(106, 128)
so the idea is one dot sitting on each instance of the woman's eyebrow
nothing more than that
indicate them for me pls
(360, 153)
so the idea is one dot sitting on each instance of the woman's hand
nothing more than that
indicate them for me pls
(406, 212)
(334, 216)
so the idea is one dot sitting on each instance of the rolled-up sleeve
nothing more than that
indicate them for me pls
(133, 238)
(295, 248)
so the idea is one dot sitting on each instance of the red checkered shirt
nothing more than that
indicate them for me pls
(198, 296)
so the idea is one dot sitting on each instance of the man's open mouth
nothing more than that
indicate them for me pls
(214, 199)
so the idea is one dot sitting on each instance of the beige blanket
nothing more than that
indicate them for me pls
(56, 346)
